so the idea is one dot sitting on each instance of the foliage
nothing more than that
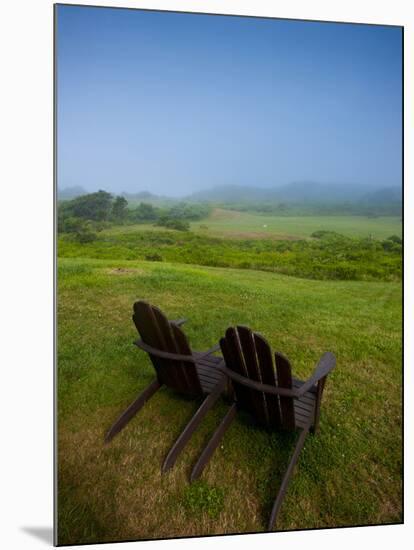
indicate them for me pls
(120, 209)
(395, 239)
(86, 234)
(153, 257)
(190, 212)
(94, 206)
(144, 212)
(102, 207)
(81, 230)
(331, 256)
(182, 212)
(173, 223)
(71, 224)
(322, 233)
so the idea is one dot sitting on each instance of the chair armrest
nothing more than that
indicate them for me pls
(164, 354)
(253, 384)
(325, 364)
(178, 322)
(209, 351)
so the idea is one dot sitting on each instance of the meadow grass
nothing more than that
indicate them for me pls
(234, 224)
(333, 256)
(348, 474)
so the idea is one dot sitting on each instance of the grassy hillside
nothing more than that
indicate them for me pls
(350, 473)
(233, 224)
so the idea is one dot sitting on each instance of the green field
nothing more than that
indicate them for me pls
(248, 225)
(349, 474)
(332, 256)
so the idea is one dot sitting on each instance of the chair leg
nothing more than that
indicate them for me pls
(132, 410)
(191, 427)
(213, 443)
(283, 487)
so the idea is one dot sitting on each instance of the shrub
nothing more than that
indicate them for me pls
(395, 239)
(174, 223)
(345, 272)
(86, 236)
(94, 206)
(153, 257)
(144, 212)
(72, 225)
(323, 234)
(244, 265)
(340, 258)
(119, 209)
(85, 233)
(82, 230)
(391, 246)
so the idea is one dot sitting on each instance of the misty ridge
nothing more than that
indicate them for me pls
(311, 196)
(300, 192)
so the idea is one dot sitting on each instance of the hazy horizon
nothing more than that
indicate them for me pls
(336, 185)
(178, 103)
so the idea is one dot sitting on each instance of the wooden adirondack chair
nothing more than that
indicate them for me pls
(195, 374)
(272, 396)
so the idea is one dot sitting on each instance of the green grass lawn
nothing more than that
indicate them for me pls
(348, 474)
(229, 223)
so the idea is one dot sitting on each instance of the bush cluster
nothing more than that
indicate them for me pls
(329, 256)
(103, 208)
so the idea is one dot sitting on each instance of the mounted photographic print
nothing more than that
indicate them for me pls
(229, 265)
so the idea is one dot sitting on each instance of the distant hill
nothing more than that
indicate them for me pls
(146, 196)
(230, 193)
(70, 192)
(308, 192)
(305, 196)
(385, 195)
(299, 193)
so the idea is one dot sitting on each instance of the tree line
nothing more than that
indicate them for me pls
(86, 215)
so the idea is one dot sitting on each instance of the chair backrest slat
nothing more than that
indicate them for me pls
(145, 323)
(249, 355)
(232, 356)
(284, 378)
(189, 370)
(264, 355)
(157, 331)
(178, 371)
(248, 349)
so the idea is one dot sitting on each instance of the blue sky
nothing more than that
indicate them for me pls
(174, 103)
